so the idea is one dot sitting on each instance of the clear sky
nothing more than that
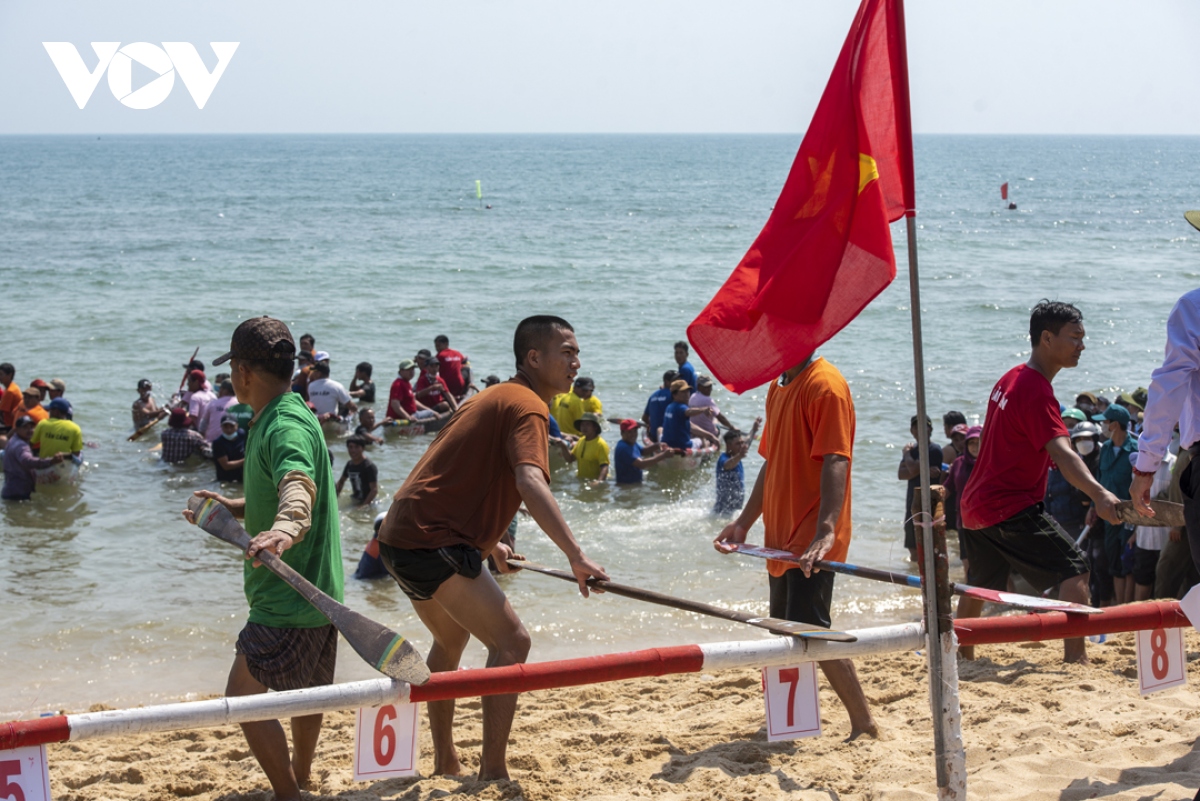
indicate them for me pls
(755, 66)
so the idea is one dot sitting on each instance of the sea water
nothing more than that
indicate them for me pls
(119, 255)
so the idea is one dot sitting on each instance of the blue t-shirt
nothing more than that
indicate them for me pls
(623, 456)
(731, 487)
(688, 374)
(555, 431)
(656, 406)
(677, 428)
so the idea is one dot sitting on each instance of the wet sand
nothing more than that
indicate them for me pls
(1033, 728)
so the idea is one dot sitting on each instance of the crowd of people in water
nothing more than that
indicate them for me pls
(681, 420)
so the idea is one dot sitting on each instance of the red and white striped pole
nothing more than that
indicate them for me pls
(575, 672)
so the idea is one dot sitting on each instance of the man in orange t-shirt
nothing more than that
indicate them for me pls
(807, 445)
(10, 397)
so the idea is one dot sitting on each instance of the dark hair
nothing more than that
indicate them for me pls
(276, 368)
(441, 338)
(226, 386)
(1051, 315)
(364, 410)
(585, 382)
(681, 344)
(309, 337)
(8, 368)
(357, 440)
(670, 376)
(365, 367)
(321, 367)
(951, 419)
(732, 434)
(533, 332)
(915, 418)
(424, 353)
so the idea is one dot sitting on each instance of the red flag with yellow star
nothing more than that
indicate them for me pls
(826, 250)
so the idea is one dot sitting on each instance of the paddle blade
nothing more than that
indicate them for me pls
(1024, 601)
(385, 650)
(1165, 514)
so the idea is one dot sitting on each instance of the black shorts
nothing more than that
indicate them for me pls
(289, 659)
(1145, 566)
(1031, 543)
(420, 571)
(802, 600)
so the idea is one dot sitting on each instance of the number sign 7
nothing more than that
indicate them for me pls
(791, 700)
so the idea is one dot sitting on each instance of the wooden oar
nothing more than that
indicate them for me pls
(905, 580)
(772, 624)
(1165, 514)
(187, 369)
(146, 427)
(384, 649)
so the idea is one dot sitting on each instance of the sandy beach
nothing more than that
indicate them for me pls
(1033, 728)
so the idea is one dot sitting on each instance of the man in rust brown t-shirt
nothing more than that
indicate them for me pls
(454, 507)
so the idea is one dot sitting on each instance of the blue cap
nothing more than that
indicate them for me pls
(60, 404)
(1114, 412)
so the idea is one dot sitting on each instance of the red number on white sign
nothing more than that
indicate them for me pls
(1160, 660)
(24, 775)
(791, 699)
(386, 742)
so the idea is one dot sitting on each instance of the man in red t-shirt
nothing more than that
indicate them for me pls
(1005, 525)
(402, 401)
(450, 367)
(432, 390)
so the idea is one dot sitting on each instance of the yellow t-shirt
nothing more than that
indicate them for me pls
(57, 436)
(590, 455)
(569, 407)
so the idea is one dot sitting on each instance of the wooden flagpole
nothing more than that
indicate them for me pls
(949, 756)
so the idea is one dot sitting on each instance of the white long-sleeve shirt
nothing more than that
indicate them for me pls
(1174, 387)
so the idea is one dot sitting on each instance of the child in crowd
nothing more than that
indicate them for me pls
(366, 425)
(370, 566)
(956, 480)
(590, 453)
(731, 475)
(363, 475)
(630, 459)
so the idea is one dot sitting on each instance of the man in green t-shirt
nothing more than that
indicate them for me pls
(289, 509)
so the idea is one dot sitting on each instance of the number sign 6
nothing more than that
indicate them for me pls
(385, 742)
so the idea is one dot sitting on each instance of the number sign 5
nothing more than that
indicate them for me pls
(24, 775)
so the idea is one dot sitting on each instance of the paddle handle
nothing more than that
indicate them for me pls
(218, 521)
(775, 625)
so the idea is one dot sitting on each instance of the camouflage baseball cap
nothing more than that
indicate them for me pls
(260, 339)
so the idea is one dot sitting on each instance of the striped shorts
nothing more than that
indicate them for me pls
(289, 659)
